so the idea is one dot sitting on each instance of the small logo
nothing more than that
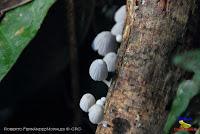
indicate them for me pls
(185, 124)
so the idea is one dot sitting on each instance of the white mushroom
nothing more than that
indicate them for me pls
(103, 99)
(94, 47)
(143, 2)
(96, 114)
(100, 102)
(117, 29)
(98, 70)
(119, 38)
(104, 42)
(110, 60)
(86, 102)
(120, 14)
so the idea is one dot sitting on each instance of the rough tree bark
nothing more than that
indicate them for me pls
(146, 79)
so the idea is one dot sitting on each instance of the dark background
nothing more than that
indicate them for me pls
(37, 92)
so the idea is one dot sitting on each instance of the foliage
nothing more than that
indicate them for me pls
(189, 61)
(17, 29)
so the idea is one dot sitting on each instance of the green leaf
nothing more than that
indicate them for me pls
(186, 91)
(189, 61)
(17, 29)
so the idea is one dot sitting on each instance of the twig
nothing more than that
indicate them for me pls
(73, 57)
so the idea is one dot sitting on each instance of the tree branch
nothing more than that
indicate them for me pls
(146, 79)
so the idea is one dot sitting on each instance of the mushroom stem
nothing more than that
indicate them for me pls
(108, 83)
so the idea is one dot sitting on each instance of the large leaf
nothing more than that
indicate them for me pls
(17, 29)
(186, 91)
(189, 61)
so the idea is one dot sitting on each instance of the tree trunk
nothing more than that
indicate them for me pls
(146, 79)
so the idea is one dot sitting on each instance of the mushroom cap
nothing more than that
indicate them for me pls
(96, 114)
(120, 14)
(104, 42)
(110, 60)
(86, 102)
(117, 29)
(94, 47)
(119, 38)
(100, 102)
(98, 70)
(103, 99)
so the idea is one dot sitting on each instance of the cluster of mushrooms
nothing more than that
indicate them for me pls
(106, 44)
